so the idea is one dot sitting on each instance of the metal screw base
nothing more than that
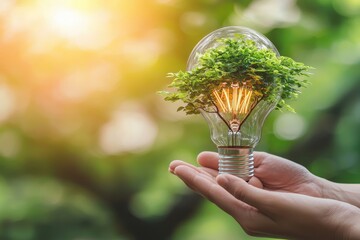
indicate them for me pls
(236, 161)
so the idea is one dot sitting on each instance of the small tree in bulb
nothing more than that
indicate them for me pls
(235, 78)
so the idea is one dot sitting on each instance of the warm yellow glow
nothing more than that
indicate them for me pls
(86, 29)
(235, 100)
(227, 97)
(68, 22)
(219, 102)
(49, 24)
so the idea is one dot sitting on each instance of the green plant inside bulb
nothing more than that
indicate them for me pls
(234, 78)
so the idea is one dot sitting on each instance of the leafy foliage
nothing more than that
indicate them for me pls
(237, 60)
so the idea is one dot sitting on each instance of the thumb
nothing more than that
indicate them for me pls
(244, 192)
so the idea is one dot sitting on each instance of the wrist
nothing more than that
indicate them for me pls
(327, 189)
(349, 193)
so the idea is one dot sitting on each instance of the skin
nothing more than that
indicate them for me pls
(282, 200)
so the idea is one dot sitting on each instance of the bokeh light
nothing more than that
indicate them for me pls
(85, 141)
(289, 126)
(267, 14)
(129, 130)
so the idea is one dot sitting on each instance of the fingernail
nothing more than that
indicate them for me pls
(171, 171)
(184, 168)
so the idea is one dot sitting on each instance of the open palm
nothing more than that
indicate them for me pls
(272, 214)
(272, 173)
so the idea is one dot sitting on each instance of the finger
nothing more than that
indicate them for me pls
(254, 181)
(258, 198)
(259, 157)
(207, 171)
(210, 171)
(208, 159)
(182, 170)
(248, 217)
(259, 222)
(191, 177)
(210, 190)
(177, 163)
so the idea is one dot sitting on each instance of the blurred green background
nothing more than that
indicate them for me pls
(85, 142)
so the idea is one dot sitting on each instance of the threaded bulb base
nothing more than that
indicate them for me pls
(236, 161)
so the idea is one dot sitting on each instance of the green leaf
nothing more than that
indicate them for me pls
(237, 60)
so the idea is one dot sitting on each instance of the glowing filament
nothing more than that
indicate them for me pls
(235, 100)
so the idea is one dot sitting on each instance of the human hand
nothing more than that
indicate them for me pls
(272, 214)
(274, 173)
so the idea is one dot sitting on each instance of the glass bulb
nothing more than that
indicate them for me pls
(238, 113)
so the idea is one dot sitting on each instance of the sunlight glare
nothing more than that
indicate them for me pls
(5, 6)
(89, 30)
(68, 22)
(48, 25)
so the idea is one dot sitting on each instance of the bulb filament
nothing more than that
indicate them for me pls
(235, 100)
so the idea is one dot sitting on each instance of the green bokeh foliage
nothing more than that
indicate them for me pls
(61, 185)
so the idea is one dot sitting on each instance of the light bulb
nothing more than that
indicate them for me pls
(238, 112)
